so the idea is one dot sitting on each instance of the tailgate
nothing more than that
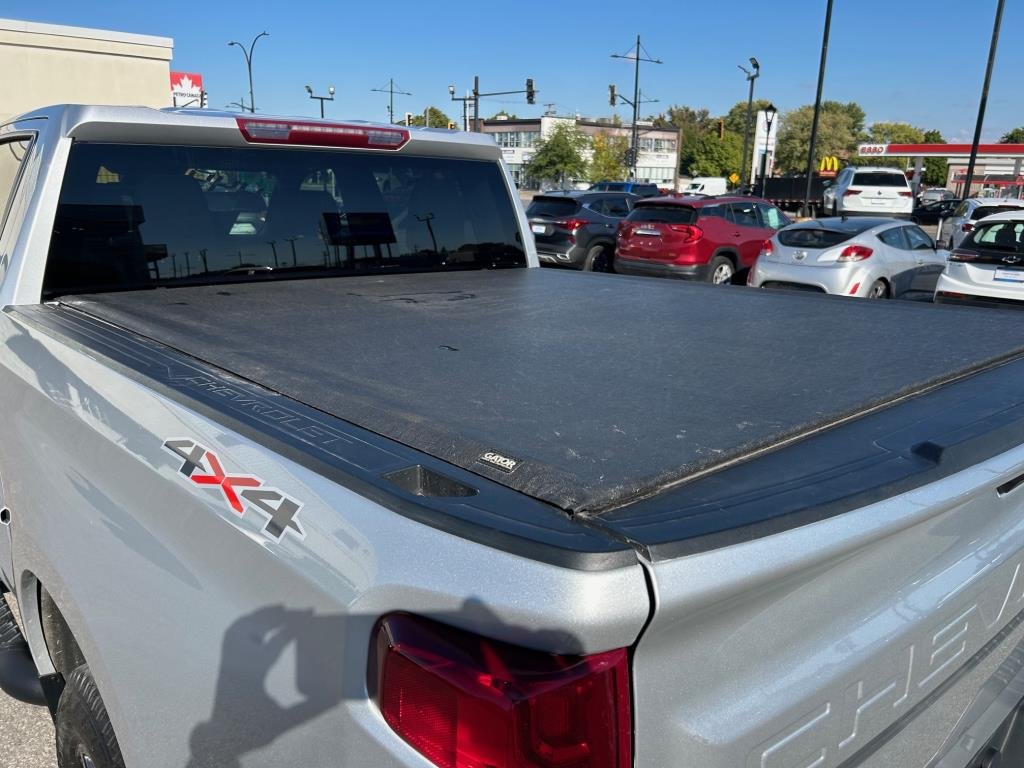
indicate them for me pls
(881, 637)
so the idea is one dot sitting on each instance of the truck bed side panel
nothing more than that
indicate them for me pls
(209, 640)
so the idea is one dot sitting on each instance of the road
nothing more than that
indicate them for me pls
(26, 735)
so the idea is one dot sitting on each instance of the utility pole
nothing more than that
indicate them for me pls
(751, 77)
(248, 63)
(530, 92)
(806, 209)
(969, 177)
(391, 90)
(634, 148)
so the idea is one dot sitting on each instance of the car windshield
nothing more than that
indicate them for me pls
(878, 179)
(983, 211)
(814, 237)
(552, 206)
(141, 216)
(663, 214)
(1003, 236)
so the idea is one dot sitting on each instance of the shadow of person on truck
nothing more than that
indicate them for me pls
(331, 654)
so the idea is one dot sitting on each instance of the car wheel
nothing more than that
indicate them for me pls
(878, 290)
(599, 259)
(721, 271)
(85, 738)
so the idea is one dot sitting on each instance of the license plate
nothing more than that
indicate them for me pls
(648, 232)
(538, 229)
(1008, 275)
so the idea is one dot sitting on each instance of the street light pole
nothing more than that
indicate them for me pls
(751, 77)
(635, 133)
(806, 209)
(969, 177)
(769, 118)
(248, 63)
(321, 99)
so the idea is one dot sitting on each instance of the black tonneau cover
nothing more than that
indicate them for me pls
(601, 389)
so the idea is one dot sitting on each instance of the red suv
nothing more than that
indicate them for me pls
(697, 238)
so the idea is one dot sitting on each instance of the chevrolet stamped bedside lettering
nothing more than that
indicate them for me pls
(835, 729)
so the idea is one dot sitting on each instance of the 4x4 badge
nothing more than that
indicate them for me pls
(203, 467)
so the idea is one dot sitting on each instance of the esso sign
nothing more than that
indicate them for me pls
(870, 150)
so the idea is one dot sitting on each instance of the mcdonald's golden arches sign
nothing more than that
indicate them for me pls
(829, 166)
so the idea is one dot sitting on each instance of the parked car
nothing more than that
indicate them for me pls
(934, 212)
(403, 500)
(987, 267)
(638, 188)
(866, 257)
(869, 191)
(577, 229)
(711, 239)
(706, 185)
(969, 212)
(828, 195)
(934, 195)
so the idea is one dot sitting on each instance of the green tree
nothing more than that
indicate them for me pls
(712, 156)
(838, 134)
(438, 119)
(609, 158)
(683, 117)
(559, 155)
(736, 118)
(889, 133)
(1016, 136)
(936, 170)
(502, 113)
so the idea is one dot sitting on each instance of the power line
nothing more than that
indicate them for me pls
(391, 90)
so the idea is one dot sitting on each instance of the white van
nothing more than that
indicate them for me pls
(706, 185)
(872, 192)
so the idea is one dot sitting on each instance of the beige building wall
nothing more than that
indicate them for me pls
(45, 64)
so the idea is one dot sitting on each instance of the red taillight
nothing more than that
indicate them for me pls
(268, 131)
(855, 253)
(767, 249)
(966, 227)
(571, 224)
(963, 255)
(908, 193)
(464, 701)
(690, 233)
(851, 192)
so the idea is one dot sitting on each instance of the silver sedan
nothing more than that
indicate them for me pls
(865, 256)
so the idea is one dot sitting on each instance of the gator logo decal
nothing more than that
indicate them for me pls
(496, 460)
(241, 492)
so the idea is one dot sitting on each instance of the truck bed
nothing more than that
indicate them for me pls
(602, 390)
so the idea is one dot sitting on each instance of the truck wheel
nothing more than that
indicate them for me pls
(598, 260)
(85, 738)
(721, 271)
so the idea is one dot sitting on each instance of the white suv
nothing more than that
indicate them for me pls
(987, 268)
(872, 192)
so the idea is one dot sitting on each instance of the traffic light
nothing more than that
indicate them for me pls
(408, 119)
(611, 95)
(629, 159)
(529, 91)
(203, 102)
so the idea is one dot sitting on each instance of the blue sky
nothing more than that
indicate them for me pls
(918, 61)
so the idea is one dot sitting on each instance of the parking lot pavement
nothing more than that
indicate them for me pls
(26, 734)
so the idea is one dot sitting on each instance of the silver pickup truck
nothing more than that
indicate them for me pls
(305, 463)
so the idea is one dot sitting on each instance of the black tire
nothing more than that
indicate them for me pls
(599, 259)
(85, 738)
(721, 271)
(878, 290)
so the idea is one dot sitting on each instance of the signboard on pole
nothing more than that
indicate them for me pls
(187, 89)
(828, 167)
(763, 145)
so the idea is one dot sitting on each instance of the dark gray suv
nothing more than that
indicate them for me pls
(577, 229)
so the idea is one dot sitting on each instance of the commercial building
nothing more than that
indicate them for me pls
(658, 161)
(46, 64)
